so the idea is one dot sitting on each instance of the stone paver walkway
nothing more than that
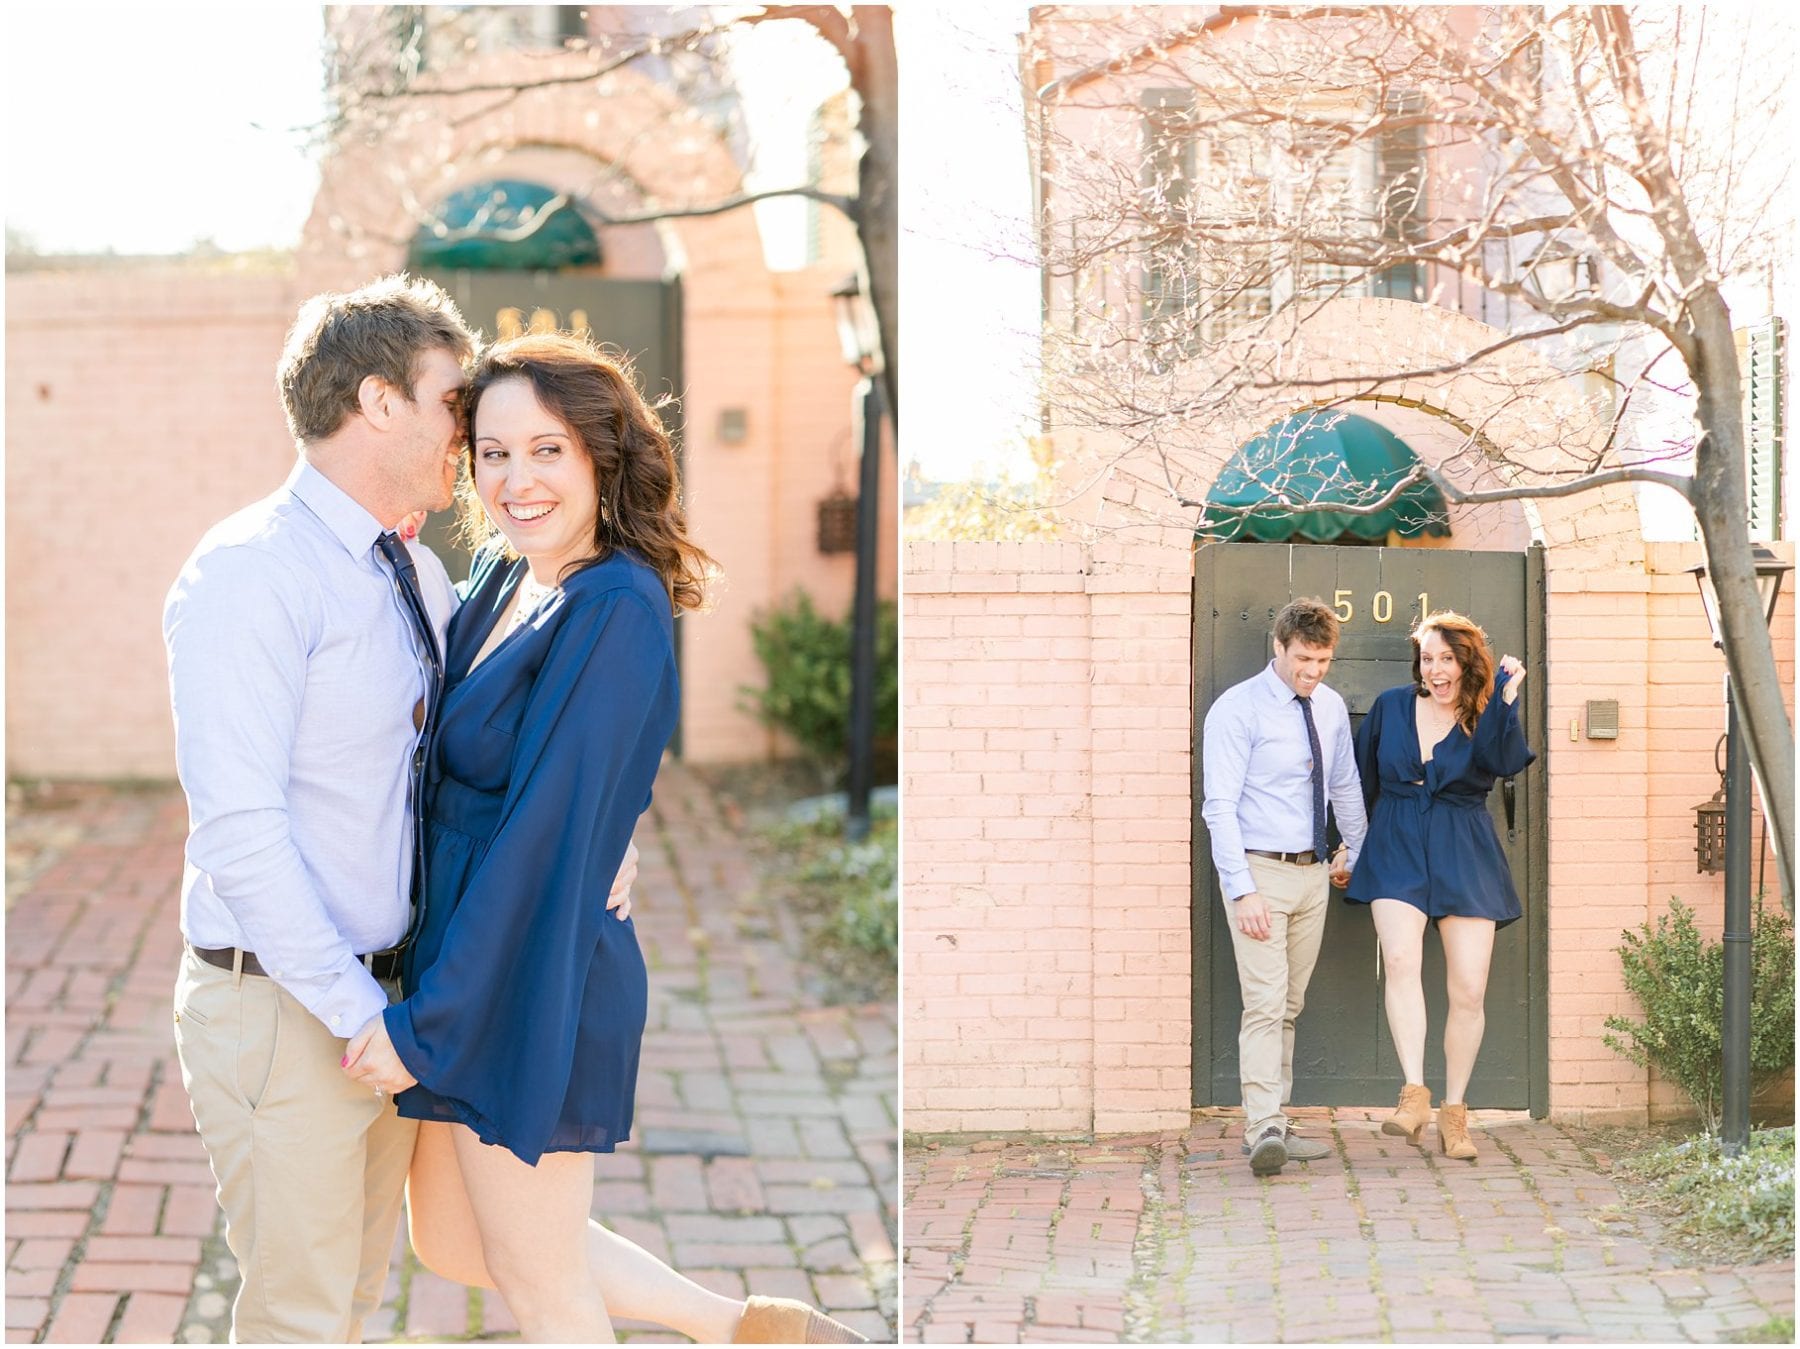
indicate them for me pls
(1169, 1238)
(764, 1152)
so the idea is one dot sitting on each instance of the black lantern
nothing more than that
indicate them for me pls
(1709, 834)
(1769, 571)
(837, 523)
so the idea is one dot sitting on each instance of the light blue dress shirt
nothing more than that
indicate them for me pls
(294, 674)
(1257, 769)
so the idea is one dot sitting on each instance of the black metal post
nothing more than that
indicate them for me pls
(1734, 1132)
(862, 616)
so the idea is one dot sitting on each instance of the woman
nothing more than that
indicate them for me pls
(517, 1045)
(1429, 752)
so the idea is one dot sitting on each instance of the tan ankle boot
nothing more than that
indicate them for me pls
(1453, 1131)
(781, 1320)
(1412, 1114)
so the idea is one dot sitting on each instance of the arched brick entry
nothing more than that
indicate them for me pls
(754, 340)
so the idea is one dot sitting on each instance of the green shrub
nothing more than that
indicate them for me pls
(806, 661)
(1678, 978)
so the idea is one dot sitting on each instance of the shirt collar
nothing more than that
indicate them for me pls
(337, 510)
(1274, 686)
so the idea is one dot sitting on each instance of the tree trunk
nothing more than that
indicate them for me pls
(1722, 508)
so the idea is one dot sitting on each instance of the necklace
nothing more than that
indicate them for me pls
(1438, 721)
(530, 595)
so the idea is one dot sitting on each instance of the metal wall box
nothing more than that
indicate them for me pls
(1603, 719)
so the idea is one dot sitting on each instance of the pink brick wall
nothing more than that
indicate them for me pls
(1622, 812)
(1047, 831)
(1046, 772)
(141, 408)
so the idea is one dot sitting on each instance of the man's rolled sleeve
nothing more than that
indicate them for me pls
(1225, 761)
(237, 632)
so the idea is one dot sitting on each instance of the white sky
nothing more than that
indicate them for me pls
(969, 311)
(143, 128)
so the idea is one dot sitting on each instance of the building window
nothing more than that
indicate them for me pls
(1243, 218)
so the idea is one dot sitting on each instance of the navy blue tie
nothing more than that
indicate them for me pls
(1318, 779)
(406, 581)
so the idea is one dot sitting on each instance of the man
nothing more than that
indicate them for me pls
(304, 670)
(1277, 746)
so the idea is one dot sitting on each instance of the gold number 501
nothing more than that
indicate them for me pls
(1381, 607)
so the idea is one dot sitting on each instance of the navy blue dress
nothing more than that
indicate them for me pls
(525, 998)
(1431, 841)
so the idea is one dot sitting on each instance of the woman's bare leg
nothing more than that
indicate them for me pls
(1468, 950)
(632, 1282)
(1401, 930)
(533, 1225)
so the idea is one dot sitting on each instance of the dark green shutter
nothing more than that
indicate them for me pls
(1765, 423)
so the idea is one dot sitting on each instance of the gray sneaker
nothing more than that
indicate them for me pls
(1269, 1154)
(1307, 1149)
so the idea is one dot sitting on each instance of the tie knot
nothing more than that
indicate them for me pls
(394, 551)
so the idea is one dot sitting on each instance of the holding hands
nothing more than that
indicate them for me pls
(1514, 668)
(372, 1061)
(1340, 866)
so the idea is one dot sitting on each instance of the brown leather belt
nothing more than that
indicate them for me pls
(381, 964)
(1299, 859)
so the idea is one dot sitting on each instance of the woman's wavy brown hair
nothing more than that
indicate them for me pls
(594, 394)
(1469, 644)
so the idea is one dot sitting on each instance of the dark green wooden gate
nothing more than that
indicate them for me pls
(1343, 1054)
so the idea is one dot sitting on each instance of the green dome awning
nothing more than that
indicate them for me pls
(505, 225)
(1320, 457)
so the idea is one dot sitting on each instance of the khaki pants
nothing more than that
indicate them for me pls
(1273, 975)
(310, 1164)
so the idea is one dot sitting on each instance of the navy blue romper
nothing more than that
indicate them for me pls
(525, 998)
(1431, 841)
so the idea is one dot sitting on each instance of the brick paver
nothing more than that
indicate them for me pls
(764, 1150)
(1169, 1238)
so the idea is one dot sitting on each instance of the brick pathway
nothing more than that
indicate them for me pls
(764, 1155)
(1169, 1238)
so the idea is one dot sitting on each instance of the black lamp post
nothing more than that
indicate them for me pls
(861, 342)
(1734, 1029)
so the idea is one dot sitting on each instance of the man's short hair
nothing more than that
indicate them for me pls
(339, 340)
(1312, 621)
